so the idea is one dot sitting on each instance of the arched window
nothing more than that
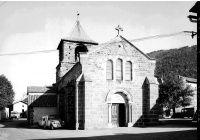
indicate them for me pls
(109, 70)
(119, 69)
(128, 71)
(79, 48)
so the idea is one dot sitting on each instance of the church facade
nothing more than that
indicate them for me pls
(104, 85)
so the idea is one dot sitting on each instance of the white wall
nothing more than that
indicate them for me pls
(19, 106)
(42, 111)
(194, 98)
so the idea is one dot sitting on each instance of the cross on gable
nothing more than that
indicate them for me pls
(119, 28)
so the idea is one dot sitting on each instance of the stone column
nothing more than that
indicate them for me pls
(109, 115)
(130, 115)
(77, 123)
(126, 106)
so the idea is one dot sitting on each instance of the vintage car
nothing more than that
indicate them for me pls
(14, 115)
(41, 121)
(51, 122)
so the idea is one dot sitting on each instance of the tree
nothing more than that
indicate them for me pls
(174, 93)
(6, 92)
(181, 61)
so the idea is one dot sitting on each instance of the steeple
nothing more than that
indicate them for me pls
(79, 35)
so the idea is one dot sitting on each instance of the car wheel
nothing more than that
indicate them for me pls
(51, 127)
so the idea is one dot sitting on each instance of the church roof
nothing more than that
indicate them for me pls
(79, 35)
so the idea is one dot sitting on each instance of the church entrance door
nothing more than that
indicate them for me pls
(122, 115)
(115, 115)
(119, 109)
(118, 115)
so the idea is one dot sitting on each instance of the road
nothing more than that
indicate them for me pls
(170, 129)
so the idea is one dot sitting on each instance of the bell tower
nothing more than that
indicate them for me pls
(69, 48)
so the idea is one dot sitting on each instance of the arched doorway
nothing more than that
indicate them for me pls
(119, 108)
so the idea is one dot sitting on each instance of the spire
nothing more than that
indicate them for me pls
(77, 15)
(79, 35)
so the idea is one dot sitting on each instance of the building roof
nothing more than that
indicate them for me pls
(194, 8)
(43, 100)
(18, 102)
(79, 35)
(189, 80)
(38, 89)
(25, 100)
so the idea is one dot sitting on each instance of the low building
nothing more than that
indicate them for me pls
(41, 101)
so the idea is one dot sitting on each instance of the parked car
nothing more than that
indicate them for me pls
(187, 112)
(42, 121)
(51, 122)
(14, 115)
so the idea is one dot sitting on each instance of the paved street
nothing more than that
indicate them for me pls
(170, 129)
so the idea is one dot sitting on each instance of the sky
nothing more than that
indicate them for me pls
(37, 26)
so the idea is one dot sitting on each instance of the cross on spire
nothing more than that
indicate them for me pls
(77, 15)
(119, 28)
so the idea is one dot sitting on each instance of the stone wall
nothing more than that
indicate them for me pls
(81, 105)
(61, 104)
(70, 117)
(67, 53)
(92, 107)
(30, 115)
(94, 69)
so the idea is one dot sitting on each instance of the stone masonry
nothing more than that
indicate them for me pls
(89, 99)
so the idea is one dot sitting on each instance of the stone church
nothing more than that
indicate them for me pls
(98, 85)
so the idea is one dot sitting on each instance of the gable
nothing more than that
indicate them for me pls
(19, 103)
(121, 47)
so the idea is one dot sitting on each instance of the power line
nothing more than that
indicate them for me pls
(160, 36)
(133, 40)
(26, 53)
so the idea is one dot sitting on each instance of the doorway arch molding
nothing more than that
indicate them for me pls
(114, 91)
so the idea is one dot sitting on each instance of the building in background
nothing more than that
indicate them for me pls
(190, 110)
(19, 106)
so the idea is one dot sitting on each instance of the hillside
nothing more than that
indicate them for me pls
(182, 61)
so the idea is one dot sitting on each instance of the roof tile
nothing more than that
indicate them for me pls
(43, 100)
(79, 35)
